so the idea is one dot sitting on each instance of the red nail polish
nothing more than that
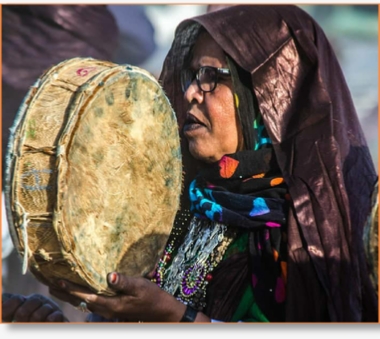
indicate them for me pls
(113, 278)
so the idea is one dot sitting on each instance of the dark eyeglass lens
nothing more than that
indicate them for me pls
(187, 78)
(207, 78)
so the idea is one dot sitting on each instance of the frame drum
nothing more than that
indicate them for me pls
(94, 173)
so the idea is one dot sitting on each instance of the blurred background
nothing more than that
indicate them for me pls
(36, 37)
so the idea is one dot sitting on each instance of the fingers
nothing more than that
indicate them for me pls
(10, 304)
(134, 298)
(41, 314)
(25, 312)
(35, 308)
(65, 296)
(144, 300)
(73, 293)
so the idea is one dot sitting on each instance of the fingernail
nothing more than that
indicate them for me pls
(113, 278)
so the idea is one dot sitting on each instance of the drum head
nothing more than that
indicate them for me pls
(115, 176)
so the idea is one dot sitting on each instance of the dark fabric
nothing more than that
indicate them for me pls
(306, 301)
(318, 141)
(227, 286)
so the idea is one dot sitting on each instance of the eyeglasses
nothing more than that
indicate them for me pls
(206, 76)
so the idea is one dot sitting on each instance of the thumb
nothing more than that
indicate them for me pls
(121, 283)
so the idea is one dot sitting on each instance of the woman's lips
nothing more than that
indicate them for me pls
(192, 123)
(191, 127)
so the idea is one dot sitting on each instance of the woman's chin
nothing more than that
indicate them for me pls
(204, 156)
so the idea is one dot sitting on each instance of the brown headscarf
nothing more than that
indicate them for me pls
(320, 147)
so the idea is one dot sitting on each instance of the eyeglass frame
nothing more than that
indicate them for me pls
(218, 71)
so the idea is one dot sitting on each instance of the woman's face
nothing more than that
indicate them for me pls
(211, 126)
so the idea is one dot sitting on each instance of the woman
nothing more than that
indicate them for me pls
(278, 176)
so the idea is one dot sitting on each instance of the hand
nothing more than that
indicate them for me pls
(35, 308)
(138, 299)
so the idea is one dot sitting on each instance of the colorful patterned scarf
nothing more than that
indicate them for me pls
(241, 190)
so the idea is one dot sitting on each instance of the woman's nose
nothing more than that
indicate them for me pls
(193, 92)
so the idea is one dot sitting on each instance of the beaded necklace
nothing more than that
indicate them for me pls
(202, 248)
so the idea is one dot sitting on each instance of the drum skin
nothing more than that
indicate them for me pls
(94, 173)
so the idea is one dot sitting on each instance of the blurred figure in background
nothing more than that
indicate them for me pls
(136, 41)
